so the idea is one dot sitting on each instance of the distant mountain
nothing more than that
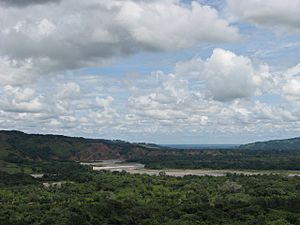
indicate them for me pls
(201, 146)
(16, 146)
(285, 144)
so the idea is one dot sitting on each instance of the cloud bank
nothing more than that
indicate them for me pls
(213, 95)
(76, 34)
(25, 3)
(66, 67)
(269, 13)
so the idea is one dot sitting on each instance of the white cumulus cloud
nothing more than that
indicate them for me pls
(227, 76)
(291, 89)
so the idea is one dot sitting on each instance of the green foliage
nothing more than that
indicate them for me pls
(7, 179)
(286, 144)
(85, 197)
(225, 159)
(19, 147)
(121, 198)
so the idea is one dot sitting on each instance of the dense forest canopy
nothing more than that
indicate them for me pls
(286, 144)
(70, 193)
(225, 159)
(91, 198)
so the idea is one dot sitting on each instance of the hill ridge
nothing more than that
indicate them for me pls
(17, 146)
(276, 144)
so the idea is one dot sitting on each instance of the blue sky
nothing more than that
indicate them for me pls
(175, 72)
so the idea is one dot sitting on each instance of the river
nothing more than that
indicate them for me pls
(137, 168)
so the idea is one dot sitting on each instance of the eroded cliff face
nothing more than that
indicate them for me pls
(99, 151)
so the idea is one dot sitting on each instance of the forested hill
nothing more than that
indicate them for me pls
(285, 144)
(16, 146)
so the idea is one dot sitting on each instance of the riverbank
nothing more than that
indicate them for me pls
(137, 168)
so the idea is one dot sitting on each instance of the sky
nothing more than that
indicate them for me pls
(159, 71)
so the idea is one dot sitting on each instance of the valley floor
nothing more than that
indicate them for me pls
(138, 168)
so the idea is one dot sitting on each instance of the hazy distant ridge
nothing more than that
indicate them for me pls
(284, 144)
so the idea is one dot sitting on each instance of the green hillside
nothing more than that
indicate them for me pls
(19, 147)
(19, 151)
(286, 144)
